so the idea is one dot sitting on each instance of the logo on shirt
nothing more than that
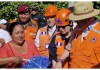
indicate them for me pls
(59, 21)
(58, 44)
(43, 33)
(93, 39)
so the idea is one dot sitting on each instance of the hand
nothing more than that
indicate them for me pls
(26, 60)
(16, 59)
(58, 65)
(53, 63)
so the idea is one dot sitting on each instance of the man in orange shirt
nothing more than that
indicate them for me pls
(30, 25)
(45, 34)
(84, 44)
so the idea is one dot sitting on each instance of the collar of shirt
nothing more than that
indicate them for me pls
(51, 31)
(87, 30)
(91, 26)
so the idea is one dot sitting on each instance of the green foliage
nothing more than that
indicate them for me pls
(97, 6)
(8, 9)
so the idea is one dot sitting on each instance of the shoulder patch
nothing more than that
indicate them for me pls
(59, 21)
(93, 39)
(43, 33)
(58, 44)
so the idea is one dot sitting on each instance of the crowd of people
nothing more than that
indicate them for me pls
(52, 35)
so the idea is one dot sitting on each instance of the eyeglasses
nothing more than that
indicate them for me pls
(63, 27)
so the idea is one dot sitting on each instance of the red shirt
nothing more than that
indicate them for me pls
(8, 51)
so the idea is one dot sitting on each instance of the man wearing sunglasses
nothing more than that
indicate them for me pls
(59, 41)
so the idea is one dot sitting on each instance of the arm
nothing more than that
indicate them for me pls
(4, 37)
(5, 60)
(65, 54)
(1, 42)
(14, 59)
(7, 57)
(62, 58)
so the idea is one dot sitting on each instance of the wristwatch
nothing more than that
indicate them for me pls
(60, 60)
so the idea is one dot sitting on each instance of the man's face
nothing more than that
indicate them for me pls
(83, 21)
(24, 17)
(3, 26)
(51, 21)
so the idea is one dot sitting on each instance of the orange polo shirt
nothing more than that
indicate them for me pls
(86, 53)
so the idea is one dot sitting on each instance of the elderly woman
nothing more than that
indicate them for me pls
(18, 48)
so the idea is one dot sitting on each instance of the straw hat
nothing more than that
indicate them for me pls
(83, 10)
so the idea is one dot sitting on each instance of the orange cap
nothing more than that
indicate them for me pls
(51, 10)
(62, 16)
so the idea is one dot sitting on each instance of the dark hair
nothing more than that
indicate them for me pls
(11, 26)
(36, 9)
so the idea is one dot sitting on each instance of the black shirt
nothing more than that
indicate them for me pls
(41, 20)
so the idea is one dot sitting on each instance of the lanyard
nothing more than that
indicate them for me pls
(50, 37)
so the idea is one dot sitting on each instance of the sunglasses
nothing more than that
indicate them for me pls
(63, 27)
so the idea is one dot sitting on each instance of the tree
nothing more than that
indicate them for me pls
(8, 9)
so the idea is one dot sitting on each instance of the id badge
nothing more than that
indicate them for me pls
(47, 45)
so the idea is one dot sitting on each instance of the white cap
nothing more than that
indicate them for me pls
(3, 21)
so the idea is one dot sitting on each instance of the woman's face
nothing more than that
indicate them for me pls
(64, 29)
(18, 35)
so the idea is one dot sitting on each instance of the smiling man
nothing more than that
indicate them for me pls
(30, 25)
(46, 33)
